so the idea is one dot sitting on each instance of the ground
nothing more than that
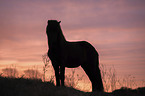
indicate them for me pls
(29, 87)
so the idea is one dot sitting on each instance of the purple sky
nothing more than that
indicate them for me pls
(115, 28)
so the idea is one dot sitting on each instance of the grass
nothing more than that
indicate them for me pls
(36, 87)
(33, 87)
(15, 85)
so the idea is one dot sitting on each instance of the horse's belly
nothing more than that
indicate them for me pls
(74, 61)
(74, 66)
(74, 55)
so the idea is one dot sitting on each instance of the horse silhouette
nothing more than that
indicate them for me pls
(72, 54)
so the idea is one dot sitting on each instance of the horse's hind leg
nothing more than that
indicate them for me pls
(97, 83)
(94, 75)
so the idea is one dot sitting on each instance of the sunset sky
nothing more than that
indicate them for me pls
(116, 28)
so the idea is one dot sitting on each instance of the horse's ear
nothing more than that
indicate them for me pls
(59, 22)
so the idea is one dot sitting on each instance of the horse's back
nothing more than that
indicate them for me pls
(89, 48)
(83, 47)
(74, 54)
(79, 53)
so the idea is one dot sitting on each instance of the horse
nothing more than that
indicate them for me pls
(63, 53)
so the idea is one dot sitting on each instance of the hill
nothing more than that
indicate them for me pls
(28, 87)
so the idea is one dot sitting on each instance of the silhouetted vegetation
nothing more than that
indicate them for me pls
(35, 87)
(72, 80)
(110, 80)
(124, 91)
(10, 72)
(32, 74)
(46, 62)
(12, 85)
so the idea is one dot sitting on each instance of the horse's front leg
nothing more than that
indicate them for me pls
(62, 75)
(57, 75)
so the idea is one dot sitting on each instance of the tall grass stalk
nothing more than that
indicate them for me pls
(46, 62)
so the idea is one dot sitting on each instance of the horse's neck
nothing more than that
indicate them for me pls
(61, 40)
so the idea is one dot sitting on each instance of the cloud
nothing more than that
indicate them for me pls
(81, 14)
(115, 29)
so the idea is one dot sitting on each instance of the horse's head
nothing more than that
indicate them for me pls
(53, 26)
(53, 30)
(53, 23)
